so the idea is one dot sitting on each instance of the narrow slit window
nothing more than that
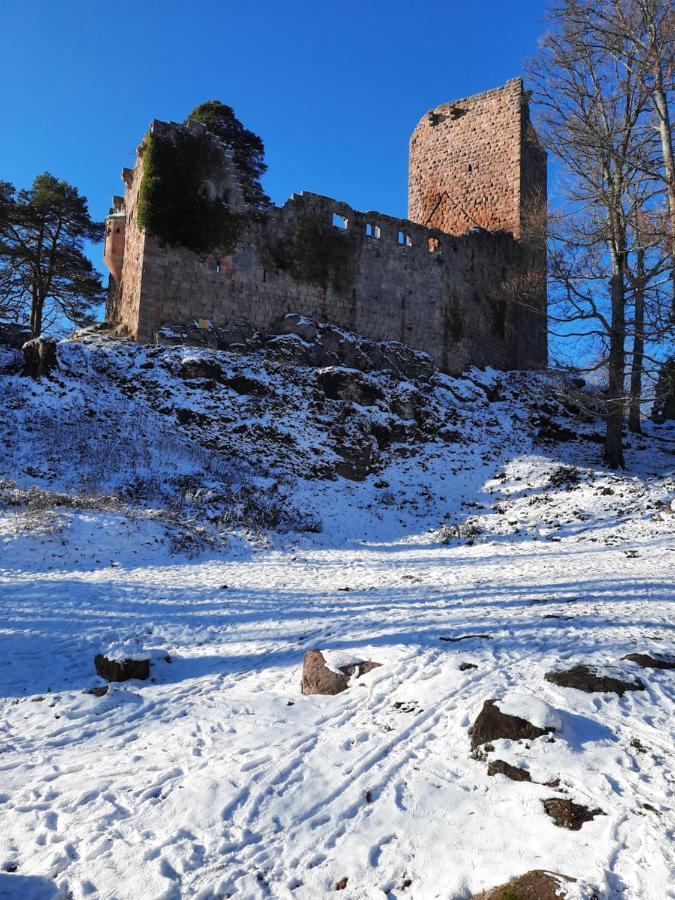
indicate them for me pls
(404, 239)
(218, 265)
(434, 244)
(373, 231)
(339, 222)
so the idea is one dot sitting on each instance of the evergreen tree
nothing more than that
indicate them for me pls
(43, 270)
(247, 148)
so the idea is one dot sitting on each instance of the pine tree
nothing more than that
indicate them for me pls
(44, 273)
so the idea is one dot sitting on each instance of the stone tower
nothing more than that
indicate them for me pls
(477, 162)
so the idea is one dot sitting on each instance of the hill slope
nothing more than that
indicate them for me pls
(228, 511)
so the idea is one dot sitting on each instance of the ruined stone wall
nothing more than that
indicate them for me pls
(124, 300)
(387, 278)
(425, 289)
(465, 163)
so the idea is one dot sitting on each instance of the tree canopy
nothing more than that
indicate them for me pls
(247, 148)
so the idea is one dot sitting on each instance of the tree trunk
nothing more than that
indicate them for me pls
(36, 315)
(616, 365)
(663, 115)
(634, 414)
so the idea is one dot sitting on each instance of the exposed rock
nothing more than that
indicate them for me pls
(586, 678)
(465, 666)
(499, 767)
(317, 678)
(534, 885)
(645, 661)
(14, 334)
(100, 691)
(39, 357)
(187, 334)
(567, 814)
(294, 324)
(201, 368)
(349, 384)
(341, 884)
(492, 724)
(121, 669)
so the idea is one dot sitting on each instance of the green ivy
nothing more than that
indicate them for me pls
(170, 206)
(322, 255)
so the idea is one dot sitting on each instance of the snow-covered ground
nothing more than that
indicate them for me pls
(217, 778)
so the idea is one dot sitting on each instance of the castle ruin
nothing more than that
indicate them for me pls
(463, 278)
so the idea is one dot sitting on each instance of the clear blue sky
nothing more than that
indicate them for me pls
(333, 88)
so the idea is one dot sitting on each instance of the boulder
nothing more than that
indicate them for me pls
(121, 669)
(39, 357)
(645, 661)
(292, 323)
(492, 724)
(317, 678)
(534, 885)
(570, 815)
(587, 679)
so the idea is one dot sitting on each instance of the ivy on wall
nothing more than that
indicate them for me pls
(318, 254)
(172, 205)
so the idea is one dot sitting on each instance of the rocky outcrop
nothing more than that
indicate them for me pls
(14, 334)
(299, 340)
(317, 678)
(587, 679)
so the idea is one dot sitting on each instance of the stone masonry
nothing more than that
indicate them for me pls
(442, 281)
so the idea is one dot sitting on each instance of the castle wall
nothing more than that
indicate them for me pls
(435, 300)
(124, 300)
(446, 290)
(465, 163)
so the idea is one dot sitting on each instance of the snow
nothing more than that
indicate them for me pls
(217, 777)
(336, 660)
(532, 709)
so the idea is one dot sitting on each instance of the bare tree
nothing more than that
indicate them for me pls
(641, 35)
(592, 110)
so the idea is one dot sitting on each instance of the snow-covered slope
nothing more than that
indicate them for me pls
(226, 513)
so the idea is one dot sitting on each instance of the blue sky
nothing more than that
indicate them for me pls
(333, 88)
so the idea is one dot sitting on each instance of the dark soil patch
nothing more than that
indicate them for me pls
(499, 767)
(567, 814)
(534, 885)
